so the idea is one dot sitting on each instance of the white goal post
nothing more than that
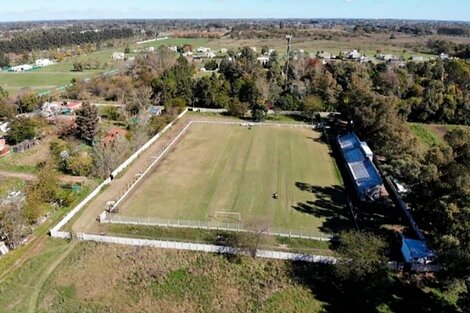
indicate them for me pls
(228, 215)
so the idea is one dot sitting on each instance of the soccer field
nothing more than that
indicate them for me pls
(231, 168)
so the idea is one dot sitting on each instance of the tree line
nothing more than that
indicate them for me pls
(61, 37)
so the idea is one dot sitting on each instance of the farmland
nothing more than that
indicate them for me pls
(232, 168)
(53, 76)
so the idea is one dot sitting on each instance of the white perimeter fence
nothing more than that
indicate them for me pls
(55, 231)
(206, 248)
(107, 218)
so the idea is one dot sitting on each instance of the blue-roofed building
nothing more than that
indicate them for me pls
(364, 175)
(154, 110)
(416, 251)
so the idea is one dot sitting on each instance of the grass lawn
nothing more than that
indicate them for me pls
(106, 278)
(55, 75)
(26, 162)
(233, 169)
(425, 134)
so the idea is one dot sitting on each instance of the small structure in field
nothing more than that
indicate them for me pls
(21, 68)
(3, 248)
(4, 149)
(23, 146)
(118, 56)
(43, 62)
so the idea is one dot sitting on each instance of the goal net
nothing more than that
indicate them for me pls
(222, 216)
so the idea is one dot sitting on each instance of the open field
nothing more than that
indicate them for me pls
(368, 44)
(432, 134)
(91, 277)
(233, 169)
(28, 160)
(55, 75)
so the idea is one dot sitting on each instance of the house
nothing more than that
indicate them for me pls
(253, 49)
(443, 56)
(73, 105)
(44, 62)
(4, 149)
(386, 57)
(4, 127)
(112, 135)
(358, 160)
(263, 60)
(118, 55)
(324, 55)
(154, 110)
(223, 50)
(353, 55)
(51, 108)
(203, 50)
(21, 68)
(3, 248)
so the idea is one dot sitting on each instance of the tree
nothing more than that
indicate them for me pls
(87, 122)
(13, 225)
(6, 108)
(362, 259)
(28, 101)
(312, 105)
(21, 129)
(4, 60)
(237, 108)
(78, 66)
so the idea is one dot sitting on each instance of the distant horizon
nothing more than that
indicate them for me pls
(233, 19)
(59, 10)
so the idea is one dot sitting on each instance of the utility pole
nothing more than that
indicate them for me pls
(289, 41)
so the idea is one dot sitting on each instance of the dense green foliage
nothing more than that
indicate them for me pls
(61, 37)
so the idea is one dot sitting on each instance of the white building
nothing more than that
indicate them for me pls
(3, 248)
(151, 49)
(173, 48)
(353, 55)
(21, 68)
(44, 62)
(263, 59)
(444, 56)
(187, 53)
(203, 50)
(417, 58)
(253, 49)
(223, 50)
(271, 51)
(118, 55)
(324, 55)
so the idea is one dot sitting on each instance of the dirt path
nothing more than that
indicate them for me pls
(87, 219)
(37, 289)
(30, 177)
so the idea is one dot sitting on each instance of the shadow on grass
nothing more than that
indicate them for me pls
(391, 294)
(329, 204)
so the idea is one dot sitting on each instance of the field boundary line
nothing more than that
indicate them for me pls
(243, 123)
(189, 246)
(55, 231)
(107, 218)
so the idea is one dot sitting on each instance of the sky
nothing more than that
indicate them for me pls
(21, 10)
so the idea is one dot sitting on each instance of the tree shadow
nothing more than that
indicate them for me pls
(329, 204)
(390, 294)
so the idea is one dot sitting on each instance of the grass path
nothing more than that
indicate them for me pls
(45, 275)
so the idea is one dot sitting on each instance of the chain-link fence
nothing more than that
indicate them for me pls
(107, 218)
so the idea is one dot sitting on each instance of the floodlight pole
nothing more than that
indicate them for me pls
(289, 41)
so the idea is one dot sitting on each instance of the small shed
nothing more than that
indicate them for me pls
(3, 248)
(416, 251)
